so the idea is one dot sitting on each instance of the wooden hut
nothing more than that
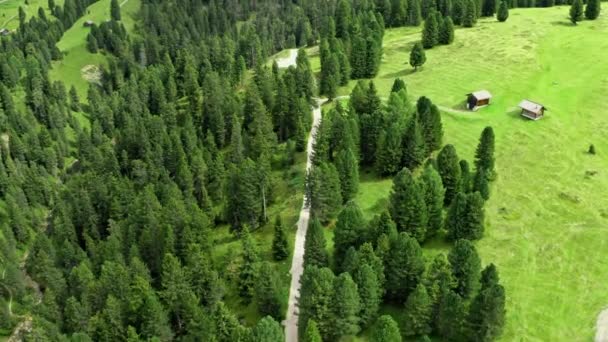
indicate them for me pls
(532, 110)
(478, 99)
(89, 23)
(4, 32)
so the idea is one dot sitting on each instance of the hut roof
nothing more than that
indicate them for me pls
(481, 95)
(530, 106)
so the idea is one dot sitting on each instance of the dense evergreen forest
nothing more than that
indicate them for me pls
(107, 229)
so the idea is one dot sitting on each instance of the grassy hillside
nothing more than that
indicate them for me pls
(9, 11)
(78, 61)
(547, 220)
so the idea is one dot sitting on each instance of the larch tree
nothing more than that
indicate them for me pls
(346, 306)
(315, 250)
(449, 170)
(466, 267)
(385, 330)
(433, 192)
(576, 11)
(280, 245)
(503, 11)
(592, 10)
(430, 31)
(417, 313)
(407, 205)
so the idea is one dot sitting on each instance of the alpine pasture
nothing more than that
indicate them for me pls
(547, 219)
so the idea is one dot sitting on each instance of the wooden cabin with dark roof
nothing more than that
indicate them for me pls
(478, 99)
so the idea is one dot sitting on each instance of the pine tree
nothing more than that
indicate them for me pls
(413, 13)
(469, 16)
(407, 205)
(315, 250)
(267, 292)
(487, 312)
(503, 11)
(350, 230)
(369, 293)
(450, 320)
(268, 330)
(484, 155)
(430, 31)
(388, 151)
(480, 184)
(592, 10)
(115, 10)
(248, 269)
(348, 170)
(280, 245)
(488, 8)
(417, 56)
(346, 305)
(418, 310)
(430, 122)
(465, 176)
(576, 11)
(433, 193)
(385, 330)
(446, 31)
(316, 300)
(466, 267)
(414, 146)
(404, 267)
(312, 332)
(449, 169)
(324, 189)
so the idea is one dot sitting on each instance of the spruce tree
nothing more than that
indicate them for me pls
(404, 267)
(316, 300)
(350, 230)
(480, 184)
(432, 129)
(469, 16)
(267, 291)
(418, 310)
(315, 250)
(324, 191)
(450, 320)
(407, 205)
(414, 145)
(388, 151)
(430, 31)
(449, 169)
(503, 11)
(488, 8)
(438, 279)
(398, 84)
(346, 305)
(487, 312)
(348, 170)
(458, 11)
(455, 221)
(475, 216)
(369, 293)
(385, 330)
(268, 330)
(280, 245)
(115, 10)
(311, 334)
(445, 7)
(465, 176)
(417, 56)
(466, 267)
(433, 193)
(248, 269)
(446, 31)
(484, 155)
(592, 10)
(576, 11)
(413, 13)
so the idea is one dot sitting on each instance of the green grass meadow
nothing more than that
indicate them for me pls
(547, 219)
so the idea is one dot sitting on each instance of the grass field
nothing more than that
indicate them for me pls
(547, 220)
(9, 11)
(73, 44)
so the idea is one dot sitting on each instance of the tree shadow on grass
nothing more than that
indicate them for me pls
(401, 73)
(562, 23)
